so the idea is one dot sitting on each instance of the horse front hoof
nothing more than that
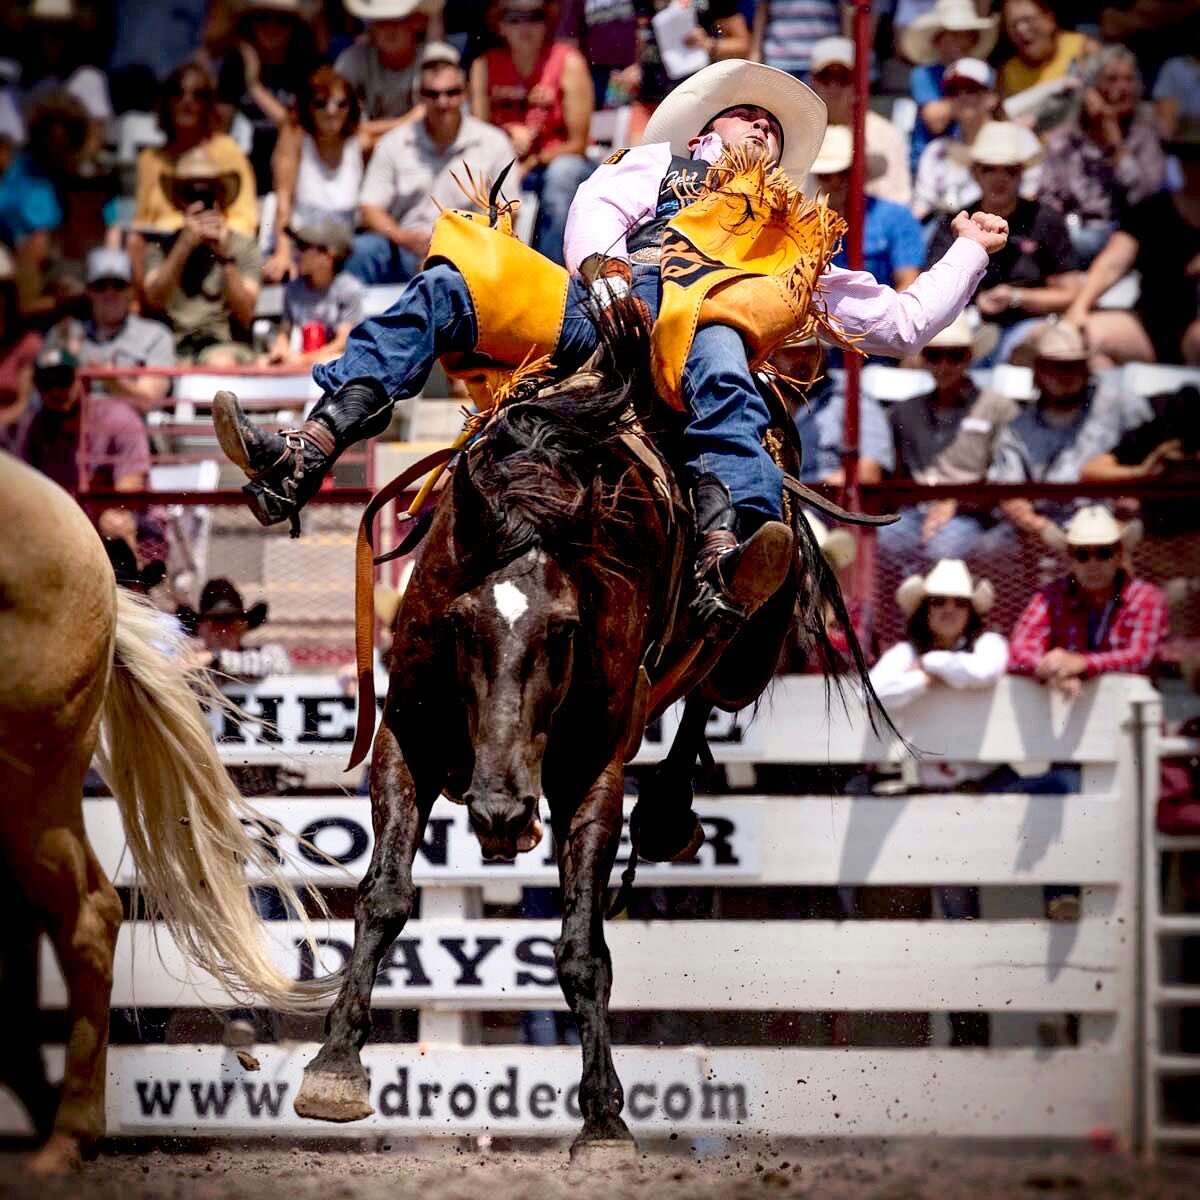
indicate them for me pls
(61, 1155)
(603, 1154)
(330, 1096)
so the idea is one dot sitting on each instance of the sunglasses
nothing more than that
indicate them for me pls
(1000, 169)
(109, 285)
(833, 78)
(454, 93)
(936, 354)
(948, 602)
(532, 16)
(198, 193)
(1082, 554)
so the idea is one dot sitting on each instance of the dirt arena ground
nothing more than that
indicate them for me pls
(903, 1172)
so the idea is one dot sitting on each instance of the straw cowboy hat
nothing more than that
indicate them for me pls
(1092, 526)
(733, 81)
(221, 601)
(837, 153)
(390, 10)
(837, 545)
(1061, 342)
(949, 577)
(198, 166)
(1000, 144)
(962, 334)
(954, 16)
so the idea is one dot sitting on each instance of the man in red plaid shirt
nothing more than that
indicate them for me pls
(1096, 619)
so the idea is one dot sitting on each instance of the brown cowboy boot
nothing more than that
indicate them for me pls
(735, 577)
(286, 468)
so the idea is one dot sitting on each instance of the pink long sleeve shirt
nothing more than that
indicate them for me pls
(624, 194)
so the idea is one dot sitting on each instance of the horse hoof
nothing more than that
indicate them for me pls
(603, 1154)
(61, 1155)
(326, 1096)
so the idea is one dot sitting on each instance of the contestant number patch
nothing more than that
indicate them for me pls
(612, 159)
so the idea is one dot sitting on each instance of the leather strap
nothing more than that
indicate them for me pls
(364, 595)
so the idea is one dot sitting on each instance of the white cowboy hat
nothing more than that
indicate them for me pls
(1092, 526)
(958, 335)
(52, 10)
(837, 152)
(949, 577)
(390, 10)
(1061, 342)
(837, 545)
(957, 16)
(690, 106)
(1001, 144)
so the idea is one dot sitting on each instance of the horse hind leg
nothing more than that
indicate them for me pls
(587, 840)
(336, 1086)
(81, 910)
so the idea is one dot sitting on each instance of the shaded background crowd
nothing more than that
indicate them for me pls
(234, 184)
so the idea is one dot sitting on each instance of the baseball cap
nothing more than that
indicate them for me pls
(830, 51)
(104, 263)
(974, 69)
(438, 52)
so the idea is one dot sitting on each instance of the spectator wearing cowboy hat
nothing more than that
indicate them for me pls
(415, 172)
(1072, 420)
(222, 623)
(187, 115)
(205, 279)
(946, 646)
(1096, 619)
(382, 64)
(833, 81)
(1160, 238)
(946, 436)
(323, 303)
(953, 30)
(893, 247)
(1033, 276)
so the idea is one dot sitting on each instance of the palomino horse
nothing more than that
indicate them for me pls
(543, 599)
(82, 670)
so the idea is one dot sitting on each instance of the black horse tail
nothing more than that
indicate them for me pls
(819, 590)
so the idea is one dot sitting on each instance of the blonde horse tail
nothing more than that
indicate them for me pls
(183, 816)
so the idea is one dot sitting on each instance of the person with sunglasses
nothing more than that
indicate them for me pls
(947, 435)
(318, 165)
(412, 174)
(1097, 618)
(187, 115)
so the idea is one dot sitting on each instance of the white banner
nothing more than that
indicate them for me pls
(302, 831)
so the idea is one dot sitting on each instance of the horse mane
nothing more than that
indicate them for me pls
(530, 479)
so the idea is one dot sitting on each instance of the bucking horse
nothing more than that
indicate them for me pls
(547, 620)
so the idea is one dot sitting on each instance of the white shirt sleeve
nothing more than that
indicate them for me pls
(980, 667)
(616, 198)
(884, 321)
(894, 679)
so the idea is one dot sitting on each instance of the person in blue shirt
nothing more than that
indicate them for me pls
(31, 209)
(952, 30)
(893, 245)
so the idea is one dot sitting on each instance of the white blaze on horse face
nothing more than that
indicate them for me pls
(511, 602)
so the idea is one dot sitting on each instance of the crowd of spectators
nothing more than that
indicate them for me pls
(167, 184)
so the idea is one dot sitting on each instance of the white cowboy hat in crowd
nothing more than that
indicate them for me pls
(830, 51)
(1093, 526)
(956, 16)
(1061, 342)
(837, 152)
(837, 545)
(964, 334)
(390, 10)
(1002, 144)
(52, 10)
(949, 577)
(690, 106)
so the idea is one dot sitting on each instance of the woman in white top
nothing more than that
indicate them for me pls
(947, 646)
(317, 166)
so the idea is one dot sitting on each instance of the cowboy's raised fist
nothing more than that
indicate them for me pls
(990, 231)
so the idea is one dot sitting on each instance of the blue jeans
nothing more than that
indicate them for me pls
(435, 316)
(374, 259)
(901, 543)
(555, 185)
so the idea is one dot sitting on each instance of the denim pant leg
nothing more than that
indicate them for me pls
(555, 184)
(434, 316)
(374, 259)
(729, 418)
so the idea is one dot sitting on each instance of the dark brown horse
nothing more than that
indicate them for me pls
(543, 602)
